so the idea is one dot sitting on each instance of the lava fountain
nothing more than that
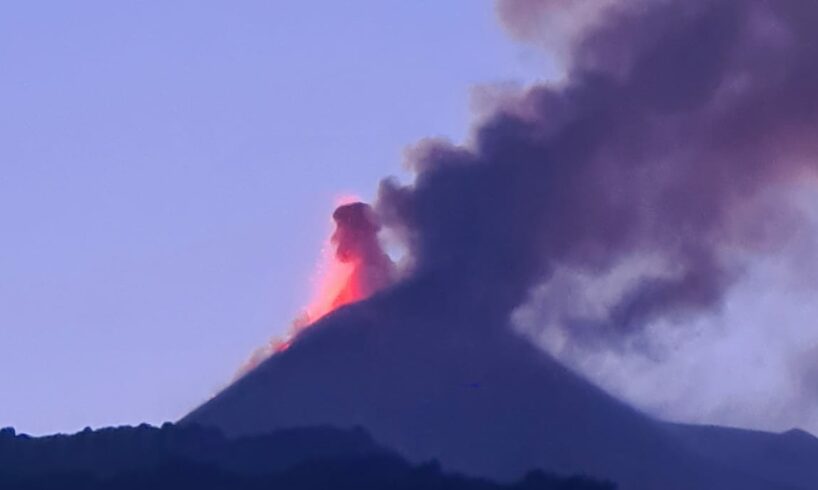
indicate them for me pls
(353, 266)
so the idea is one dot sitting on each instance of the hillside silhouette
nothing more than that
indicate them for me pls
(192, 457)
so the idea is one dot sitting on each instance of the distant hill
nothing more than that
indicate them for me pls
(790, 458)
(192, 457)
(113, 451)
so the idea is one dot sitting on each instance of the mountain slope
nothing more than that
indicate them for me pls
(789, 458)
(484, 403)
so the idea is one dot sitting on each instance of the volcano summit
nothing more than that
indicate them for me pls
(679, 132)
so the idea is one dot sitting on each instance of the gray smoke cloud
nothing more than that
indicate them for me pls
(674, 118)
(356, 243)
(650, 176)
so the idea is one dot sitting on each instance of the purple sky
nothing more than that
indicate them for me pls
(167, 174)
(167, 171)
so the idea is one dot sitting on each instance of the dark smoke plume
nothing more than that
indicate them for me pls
(356, 243)
(676, 133)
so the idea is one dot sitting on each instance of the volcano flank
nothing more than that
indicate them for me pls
(491, 405)
(670, 148)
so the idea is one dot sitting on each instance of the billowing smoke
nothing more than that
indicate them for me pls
(555, 23)
(357, 245)
(632, 193)
(676, 134)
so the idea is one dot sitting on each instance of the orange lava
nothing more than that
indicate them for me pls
(336, 284)
(337, 287)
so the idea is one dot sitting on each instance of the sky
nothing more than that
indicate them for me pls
(167, 175)
(167, 171)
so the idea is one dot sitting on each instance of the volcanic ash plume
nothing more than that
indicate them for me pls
(659, 166)
(662, 166)
(633, 193)
(356, 269)
(677, 133)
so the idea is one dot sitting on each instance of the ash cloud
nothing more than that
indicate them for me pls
(674, 120)
(620, 211)
(553, 23)
(630, 196)
(356, 242)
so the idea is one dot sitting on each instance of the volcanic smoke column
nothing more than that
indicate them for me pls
(676, 135)
(359, 266)
(665, 157)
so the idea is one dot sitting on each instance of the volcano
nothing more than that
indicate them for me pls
(414, 373)
(676, 136)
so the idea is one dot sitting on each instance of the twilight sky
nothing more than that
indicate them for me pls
(167, 170)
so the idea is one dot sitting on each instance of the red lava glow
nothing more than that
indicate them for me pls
(344, 275)
(338, 282)
(337, 286)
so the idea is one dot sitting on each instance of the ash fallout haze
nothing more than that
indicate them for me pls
(612, 274)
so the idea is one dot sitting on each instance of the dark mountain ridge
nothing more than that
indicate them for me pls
(111, 451)
(175, 457)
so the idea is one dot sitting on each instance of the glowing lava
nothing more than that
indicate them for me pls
(353, 266)
(338, 284)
